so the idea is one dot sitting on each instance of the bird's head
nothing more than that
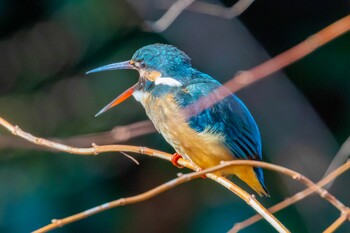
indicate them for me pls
(158, 65)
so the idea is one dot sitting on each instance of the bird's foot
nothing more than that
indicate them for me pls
(174, 160)
(204, 176)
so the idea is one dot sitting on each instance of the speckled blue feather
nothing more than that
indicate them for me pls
(228, 117)
(167, 59)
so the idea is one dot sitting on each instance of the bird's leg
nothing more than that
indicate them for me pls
(203, 176)
(175, 158)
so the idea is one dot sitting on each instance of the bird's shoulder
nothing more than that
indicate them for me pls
(228, 116)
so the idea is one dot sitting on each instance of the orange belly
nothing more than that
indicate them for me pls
(204, 149)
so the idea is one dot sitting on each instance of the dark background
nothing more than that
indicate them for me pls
(47, 46)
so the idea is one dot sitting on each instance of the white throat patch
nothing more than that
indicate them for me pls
(167, 81)
(138, 95)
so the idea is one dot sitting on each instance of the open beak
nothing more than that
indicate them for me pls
(123, 96)
(126, 94)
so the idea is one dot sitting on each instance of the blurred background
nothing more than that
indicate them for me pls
(47, 46)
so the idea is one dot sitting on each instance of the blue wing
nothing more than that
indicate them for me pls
(228, 117)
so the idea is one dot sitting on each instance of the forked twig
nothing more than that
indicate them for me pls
(164, 187)
(301, 195)
(118, 134)
(245, 78)
(337, 223)
(95, 149)
(211, 9)
(170, 15)
(342, 155)
(185, 178)
(217, 9)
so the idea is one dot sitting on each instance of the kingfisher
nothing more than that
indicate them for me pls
(224, 131)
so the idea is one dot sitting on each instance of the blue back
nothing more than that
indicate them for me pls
(228, 117)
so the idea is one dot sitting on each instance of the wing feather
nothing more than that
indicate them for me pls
(229, 117)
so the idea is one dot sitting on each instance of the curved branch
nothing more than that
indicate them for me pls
(217, 10)
(188, 177)
(201, 7)
(56, 223)
(246, 78)
(170, 15)
(301, 195)
(118, 134)
(250, 200)
(241, 80)
(95, 149)
(337, 223)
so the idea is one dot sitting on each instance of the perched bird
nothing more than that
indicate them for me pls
(224, 131)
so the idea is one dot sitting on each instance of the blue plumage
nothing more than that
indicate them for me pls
(228, 117)
(169, 83)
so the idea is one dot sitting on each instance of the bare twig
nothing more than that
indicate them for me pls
(241, 80)
(116, 135)
(55, 223)
(95, 149)
(291, 55)
(211, 9)
(341, 156)
(245, 78)
(337, 223)
(216, 9)
(159, 189)
(238, 191)
(301, 195)
(130, 157)
(175, 182)
(169, 17)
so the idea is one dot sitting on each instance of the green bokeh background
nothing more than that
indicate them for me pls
(47, 46)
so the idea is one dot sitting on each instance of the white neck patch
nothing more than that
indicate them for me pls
(138, 95)
(167, 81)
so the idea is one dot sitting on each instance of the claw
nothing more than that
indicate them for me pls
(203, 176)
(174, 160)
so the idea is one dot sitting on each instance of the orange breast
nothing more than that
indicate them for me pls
(205, 149)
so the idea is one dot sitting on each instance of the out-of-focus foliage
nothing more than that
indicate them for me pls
(45, 49)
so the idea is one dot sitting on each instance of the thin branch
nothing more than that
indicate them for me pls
(337, 223)
(241, 80)
(175, 182)
(116, 135)
(341, 156)
(245, 78)
(169, 17)
(160, 189)
(301, 195)
(241, 193)
(211, 9)
(95, 149)
(216, 9)
(56, 223)
(291, 55)
(130, 157)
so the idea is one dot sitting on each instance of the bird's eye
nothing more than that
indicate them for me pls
(142, 64)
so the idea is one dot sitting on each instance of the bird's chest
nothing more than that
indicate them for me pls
(204, 149)
(166, 116)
